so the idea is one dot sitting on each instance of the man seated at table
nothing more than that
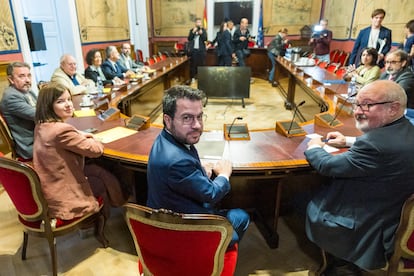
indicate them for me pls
(397, 69)
(18, 106)
(111, 67)
(126, 61)
(66, 75)
(355, 216)
(176, 178)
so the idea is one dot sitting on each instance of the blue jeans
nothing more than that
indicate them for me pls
(409, 114)
(240, 57)
(239, 219)
(272, 58)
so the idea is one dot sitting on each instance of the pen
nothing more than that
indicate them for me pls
(325, 140)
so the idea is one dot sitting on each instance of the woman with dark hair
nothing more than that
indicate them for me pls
(224, 45)
(368, 71)
(70, 188)
(94, 70)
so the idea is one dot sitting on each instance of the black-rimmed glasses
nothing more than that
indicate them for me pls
(366, 106)
(190, 119)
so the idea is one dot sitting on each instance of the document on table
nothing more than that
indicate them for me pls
(325, 147)
(114, 134)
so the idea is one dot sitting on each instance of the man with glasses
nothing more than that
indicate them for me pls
(355, 216)
(397, 69)
(176, 178)
(68, 76)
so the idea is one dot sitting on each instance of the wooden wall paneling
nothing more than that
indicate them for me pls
(290, 14)
(339, 15)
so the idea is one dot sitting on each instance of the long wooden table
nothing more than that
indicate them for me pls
(261, 166)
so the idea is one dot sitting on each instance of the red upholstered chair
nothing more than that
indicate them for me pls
(149, 61)
(343, 58)
(140, 55)
(323, 64)
(402, 261)
(333, 55)
(332, 67)
(341, 72)
(169, 243)
(22, 184)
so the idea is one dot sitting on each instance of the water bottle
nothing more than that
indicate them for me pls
(352, 87)
(99, 85)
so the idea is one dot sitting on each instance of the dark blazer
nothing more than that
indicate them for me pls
(362, 41)
(110, 72)
(277, 46)
(356, 215)
(93, 75)
(237, 43)
(19, 113)
(202, 39)
(224, 45)
(177, 181)
(405, 78)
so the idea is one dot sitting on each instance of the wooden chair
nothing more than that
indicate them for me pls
(402, 261)
(343, 59)
(332, 67)
(340, 72)
(169, 243)
(323, 64)
(140, 55)
(149, 61)
(22, 184)
(333, 55)
(7, 146)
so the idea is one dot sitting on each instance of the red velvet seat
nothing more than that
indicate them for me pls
(341, 72)
(140, 55)
(22, 184)
(323, 64)
(332, 68)
(168, 243)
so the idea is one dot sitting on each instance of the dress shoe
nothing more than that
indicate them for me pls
(275, 84)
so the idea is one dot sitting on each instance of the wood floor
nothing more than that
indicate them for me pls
(82, 256)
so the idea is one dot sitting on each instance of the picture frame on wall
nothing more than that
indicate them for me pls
(9, 42)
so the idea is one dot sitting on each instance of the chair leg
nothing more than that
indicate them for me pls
(24, 246)
(99, 230)
(52, 247)
(322, 266)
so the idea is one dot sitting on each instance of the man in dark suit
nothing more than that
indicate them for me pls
(375, 36)
(197, 38)
(355, 216)
(397, 69)
(18, 106)
(176, 178)
(111, 66)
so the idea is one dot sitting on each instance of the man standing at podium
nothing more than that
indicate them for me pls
(176, 178)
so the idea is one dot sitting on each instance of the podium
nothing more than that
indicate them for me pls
(327, 120)
(289, 128)
(236, 132)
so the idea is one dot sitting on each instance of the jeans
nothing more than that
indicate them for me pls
(272, 58)
(240, 57)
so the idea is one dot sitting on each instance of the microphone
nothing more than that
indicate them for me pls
(342, 106)
(294, 115)
(231, 126)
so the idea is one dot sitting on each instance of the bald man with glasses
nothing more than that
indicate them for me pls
(355, 216)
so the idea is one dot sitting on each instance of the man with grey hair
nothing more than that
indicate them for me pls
(397, 69)
(355, 216)
(18, 107)
(111, 67)
(67, 75)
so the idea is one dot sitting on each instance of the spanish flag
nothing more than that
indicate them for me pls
(205, 18)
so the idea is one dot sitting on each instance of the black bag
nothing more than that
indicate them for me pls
(246, 52)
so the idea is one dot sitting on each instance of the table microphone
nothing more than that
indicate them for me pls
(294, 115)
(340, 109)
(234, 120)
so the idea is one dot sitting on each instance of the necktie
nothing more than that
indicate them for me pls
(116, 67)
(391, 77)
(74, 80)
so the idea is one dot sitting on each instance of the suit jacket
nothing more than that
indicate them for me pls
(201, 40)
(110, 72)
(277, 46)
(224, 45)
(19, 112)
(405, 78)
(356, 215)
(177, 181)
(58, 157)
(362, 42)
(237, 43)
(92, 74)
(59, 76)
(128, 63)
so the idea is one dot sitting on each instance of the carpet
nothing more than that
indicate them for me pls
(106, 261)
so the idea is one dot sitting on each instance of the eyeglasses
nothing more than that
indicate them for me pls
(190, 119)
(392, 61)
(366, 106)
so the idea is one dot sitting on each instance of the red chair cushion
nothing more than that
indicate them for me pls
(166, 252)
